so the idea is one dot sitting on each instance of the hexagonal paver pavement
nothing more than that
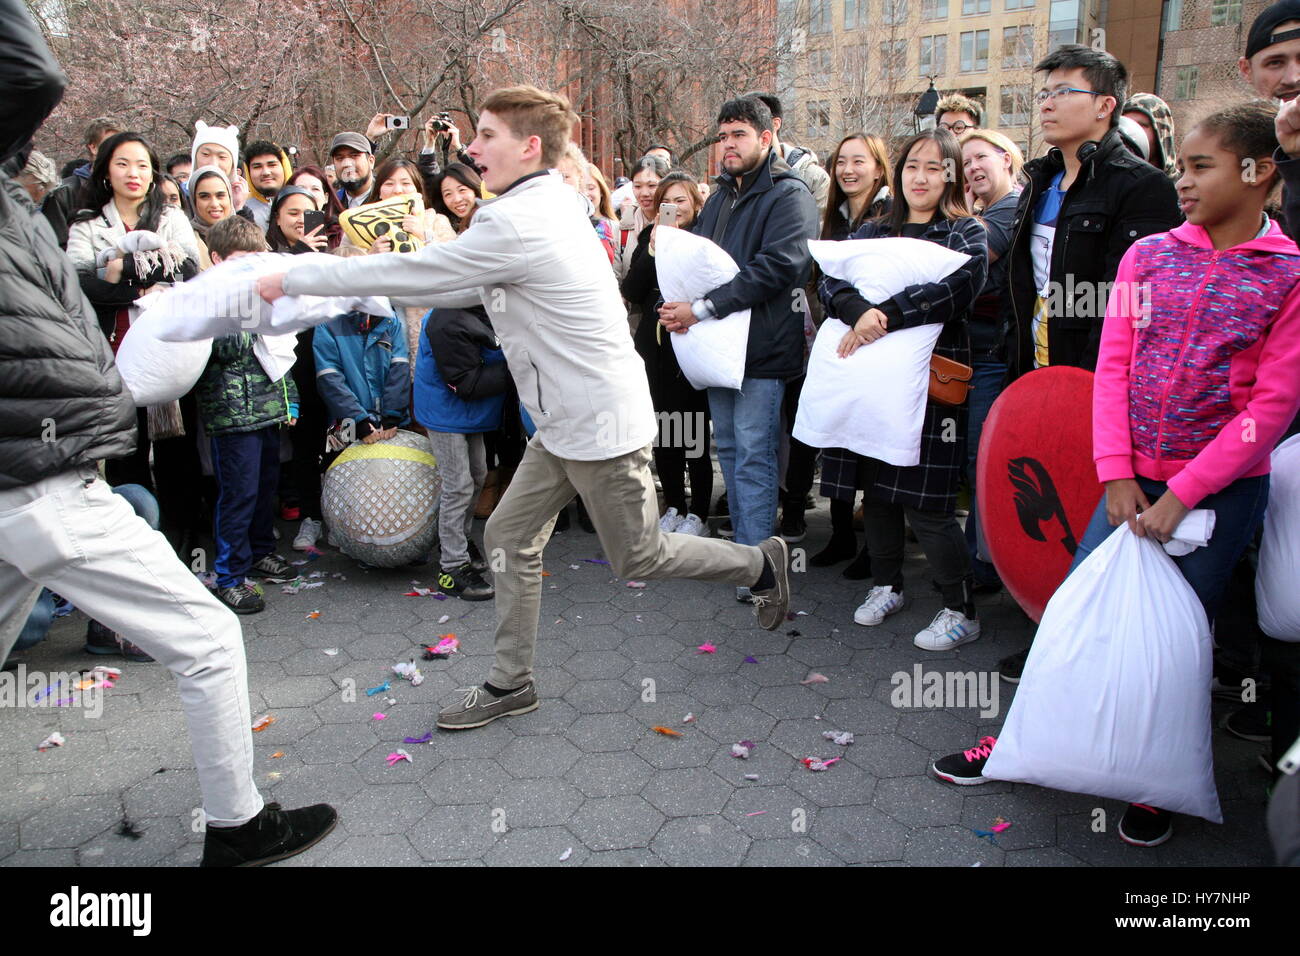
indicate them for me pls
(584, 780)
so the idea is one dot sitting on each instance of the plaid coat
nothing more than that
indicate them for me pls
(932, 484)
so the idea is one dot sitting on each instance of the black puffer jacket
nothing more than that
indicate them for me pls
(765, 228)
(62, 402)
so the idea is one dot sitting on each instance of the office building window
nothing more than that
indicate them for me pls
(1017, 47)
(1173, 15)
(819, 16)
(934, 9)
(893, 12)
(970, 8)
(1016, 101)
(893, 58)
(819, 119)
(1185, 85)
(1019, 4)
(821, 65)
(855, 14)
(1225, 12)
(934, 56)
(975, 51)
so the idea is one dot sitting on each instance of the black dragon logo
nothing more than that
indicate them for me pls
(1037, 500)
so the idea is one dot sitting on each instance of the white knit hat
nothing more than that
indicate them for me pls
(227, 137)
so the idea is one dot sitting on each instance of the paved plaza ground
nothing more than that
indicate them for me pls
(583, 780)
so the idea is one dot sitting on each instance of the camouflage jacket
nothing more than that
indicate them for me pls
(236, 395)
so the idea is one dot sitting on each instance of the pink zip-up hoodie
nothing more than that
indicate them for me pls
(1198, 375)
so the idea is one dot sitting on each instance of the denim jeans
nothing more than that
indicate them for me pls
(986, 385)
(747, 430)
(1238, 510)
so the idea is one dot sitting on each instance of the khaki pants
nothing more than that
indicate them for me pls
(620, 498)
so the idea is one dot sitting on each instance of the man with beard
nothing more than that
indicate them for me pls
(353, 160)
(266, 168)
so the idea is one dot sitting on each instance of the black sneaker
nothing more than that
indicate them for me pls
(966, 769)
(272, 835)
(561, 521)
(1010, 668)
(100, 640)
(1252, 722)
(725, 530)
(1146, 826)
(273, 569)
(793, 527)
(720, 510)
(241, 599)
(476, 559)
(465, 583)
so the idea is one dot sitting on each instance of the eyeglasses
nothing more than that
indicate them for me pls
(1042, 96)
(956, 128)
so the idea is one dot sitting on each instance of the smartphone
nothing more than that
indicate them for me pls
(397, 122)
(668, 214)
(312, 219)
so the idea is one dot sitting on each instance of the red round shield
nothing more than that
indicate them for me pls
(1036, 482)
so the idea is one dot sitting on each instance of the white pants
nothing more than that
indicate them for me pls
(70, 533)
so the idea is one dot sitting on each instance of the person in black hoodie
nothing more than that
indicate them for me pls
(1086, 202)
(61, 526)
(762, 214)
(671, 392)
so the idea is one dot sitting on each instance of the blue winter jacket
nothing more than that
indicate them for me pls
(460, 377)
(363, 370)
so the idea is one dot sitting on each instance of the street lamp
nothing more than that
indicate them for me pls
(923, 114)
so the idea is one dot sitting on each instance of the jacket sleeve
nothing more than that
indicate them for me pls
(31, 83)
(1252, 433)
(1290, 170)
(640, 279)
(934, 303)
(1112, 441)
(488, 253)
(783, 259)
(1149, 206)
(457, 346)
(81, 251)
(58, 209)
(429, 169)
(330, 381)
(397, 386)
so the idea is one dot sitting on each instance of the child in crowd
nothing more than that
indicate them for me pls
(460, 390)
(243, 404)
(363, 375)
(1196, 378)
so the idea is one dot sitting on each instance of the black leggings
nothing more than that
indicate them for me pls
(941, 538)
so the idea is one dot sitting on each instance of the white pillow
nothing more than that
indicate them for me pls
(711, 352)
(882, 268)
(873, 402)
(223, 300)
(155, 371)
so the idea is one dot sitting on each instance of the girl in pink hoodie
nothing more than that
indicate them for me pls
(1199, 370)
(1197, 378)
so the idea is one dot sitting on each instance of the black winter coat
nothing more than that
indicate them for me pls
(765, 228)
(1116, 199)
(62, 402)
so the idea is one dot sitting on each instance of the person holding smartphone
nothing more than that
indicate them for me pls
(298, 226)
(679, 203)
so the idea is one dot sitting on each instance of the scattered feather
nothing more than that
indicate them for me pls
(842, 737)
(816, 678)
(815, 764)
(259, 725)
(426, 739)
(742, 749)
(666, 731)
(706, 648)
(397, 756)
